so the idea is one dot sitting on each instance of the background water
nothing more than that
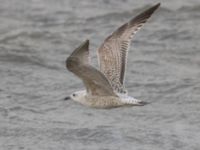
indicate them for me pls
(36, 36)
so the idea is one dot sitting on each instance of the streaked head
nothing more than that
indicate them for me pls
(77, 96)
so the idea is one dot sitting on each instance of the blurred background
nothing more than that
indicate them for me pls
(36, 37)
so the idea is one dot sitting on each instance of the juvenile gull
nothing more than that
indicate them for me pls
(105, 87)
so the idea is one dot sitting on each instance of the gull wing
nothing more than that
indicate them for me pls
(113, 52)
(94, 81)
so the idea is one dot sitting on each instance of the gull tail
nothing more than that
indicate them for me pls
(133, 101)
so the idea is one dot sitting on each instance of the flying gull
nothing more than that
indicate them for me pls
(105, 87)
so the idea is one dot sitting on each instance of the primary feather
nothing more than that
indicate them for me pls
(113, 52)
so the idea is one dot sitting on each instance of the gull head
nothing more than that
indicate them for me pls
(77, 96)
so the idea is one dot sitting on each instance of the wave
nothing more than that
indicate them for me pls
(126, 14)
(26, 59)
(195, 8)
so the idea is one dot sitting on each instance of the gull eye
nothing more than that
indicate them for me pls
(73, 95)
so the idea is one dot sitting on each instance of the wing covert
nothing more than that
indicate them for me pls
(113, 52)
(94, 81)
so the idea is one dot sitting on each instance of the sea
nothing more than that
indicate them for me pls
(163, 69)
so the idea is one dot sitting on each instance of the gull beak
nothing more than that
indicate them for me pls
(67, 98)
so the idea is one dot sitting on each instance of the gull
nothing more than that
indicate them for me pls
(105, 87)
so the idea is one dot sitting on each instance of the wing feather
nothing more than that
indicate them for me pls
(94, 81)
(113, 52)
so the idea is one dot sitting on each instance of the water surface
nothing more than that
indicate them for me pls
(163, 69)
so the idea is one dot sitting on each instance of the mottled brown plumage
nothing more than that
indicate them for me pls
(95, 82)
(105, 88)
(113, 52)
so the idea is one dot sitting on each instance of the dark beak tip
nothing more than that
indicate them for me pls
(67, 98)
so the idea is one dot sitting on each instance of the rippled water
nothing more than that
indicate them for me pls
(36, 36)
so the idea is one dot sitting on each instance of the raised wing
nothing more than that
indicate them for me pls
(94, 81)
(113, 52)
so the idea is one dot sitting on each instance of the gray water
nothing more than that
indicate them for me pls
(36, 36)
